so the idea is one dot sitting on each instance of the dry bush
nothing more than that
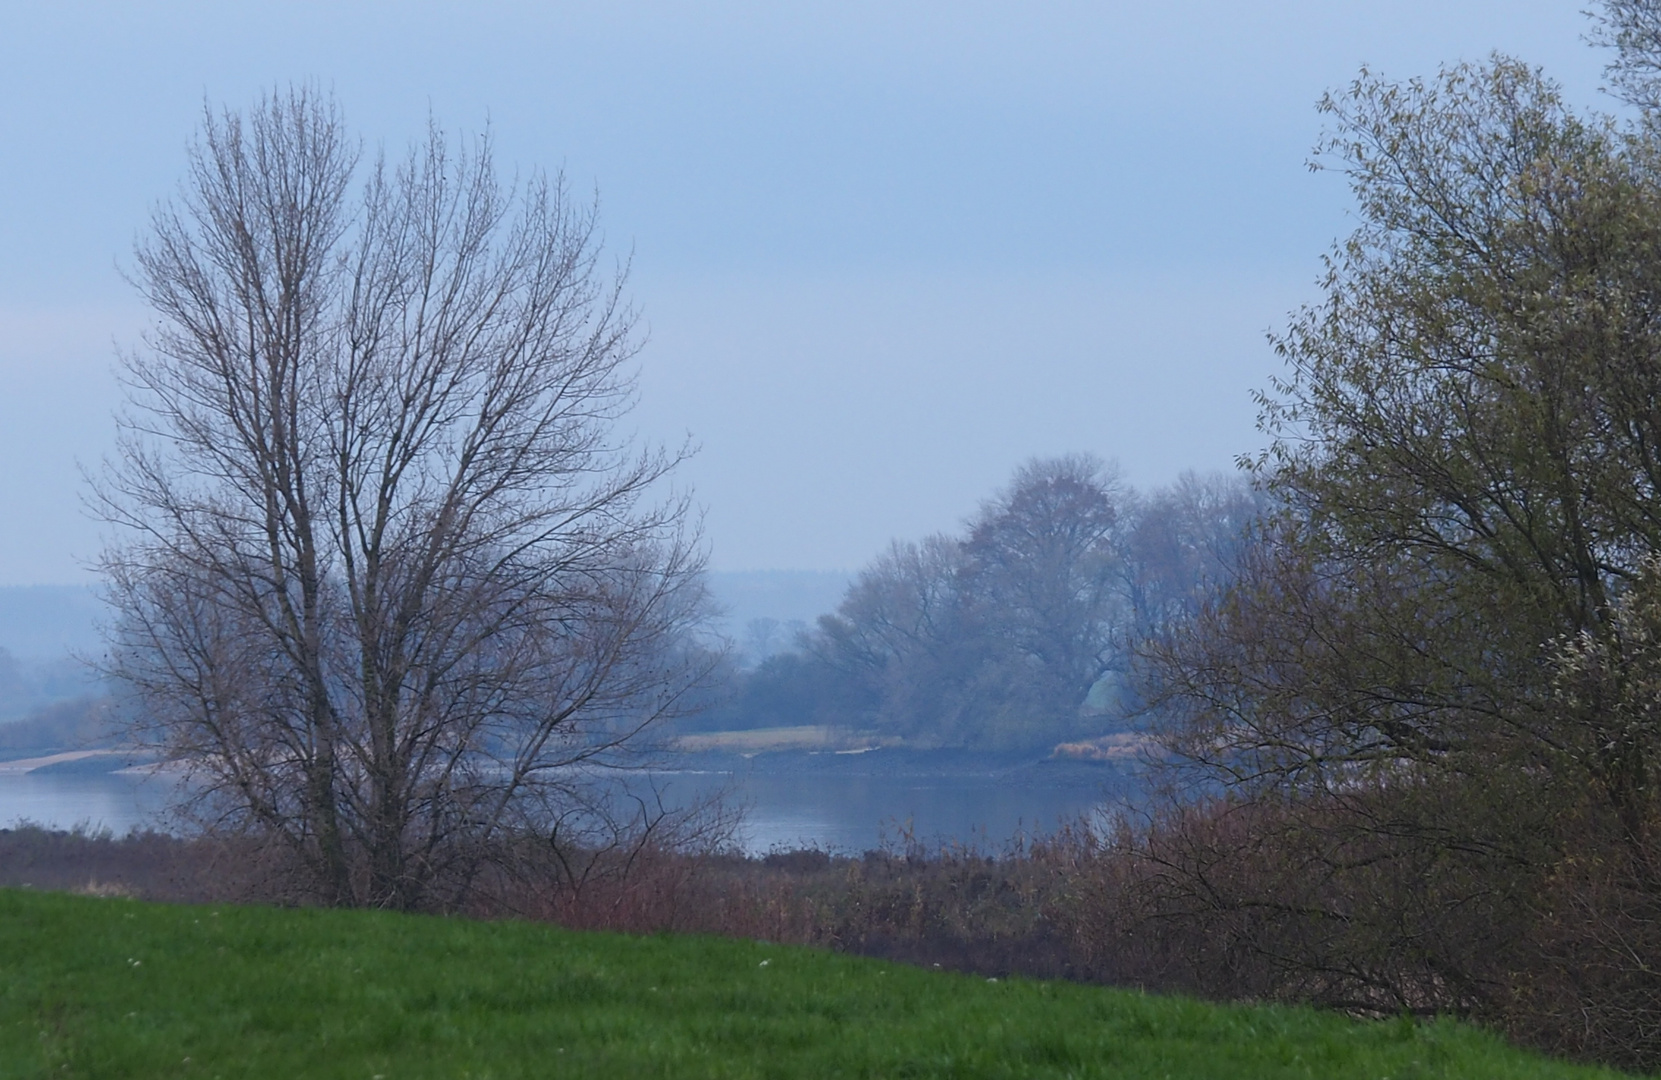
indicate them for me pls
(1543, 921)
(1588, 983)
(151, 865)
(951, 907)
(648, 889)
(1331, 902)
(1246, 901)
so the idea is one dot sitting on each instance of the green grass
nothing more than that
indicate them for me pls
(116, 988)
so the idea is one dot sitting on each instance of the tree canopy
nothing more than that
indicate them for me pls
(1427, 699)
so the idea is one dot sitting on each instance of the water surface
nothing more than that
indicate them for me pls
(837, 812)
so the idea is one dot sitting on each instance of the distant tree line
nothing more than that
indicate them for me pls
(1017, 632)
(29, 685)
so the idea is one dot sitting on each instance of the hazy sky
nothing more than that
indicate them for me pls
(885, 251)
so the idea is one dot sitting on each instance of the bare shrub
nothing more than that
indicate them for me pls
(151, 865)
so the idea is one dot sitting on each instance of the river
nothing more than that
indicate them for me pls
(840, 810)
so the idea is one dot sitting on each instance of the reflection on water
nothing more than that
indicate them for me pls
(836, 812)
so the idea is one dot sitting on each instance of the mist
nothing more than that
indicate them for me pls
(884, 254)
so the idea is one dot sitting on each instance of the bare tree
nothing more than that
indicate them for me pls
(995, 638)
(386, 575)
(1041, 583)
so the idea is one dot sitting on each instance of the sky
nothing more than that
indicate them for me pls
(883, 251)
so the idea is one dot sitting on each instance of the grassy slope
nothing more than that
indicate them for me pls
(115, 988)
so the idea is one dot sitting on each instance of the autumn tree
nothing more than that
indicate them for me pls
(1465, 434)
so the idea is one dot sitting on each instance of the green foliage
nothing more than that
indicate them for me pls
(114, 988)
(1466, 445)
(1440, 660)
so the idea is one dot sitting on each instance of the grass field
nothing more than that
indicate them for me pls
(116, 988)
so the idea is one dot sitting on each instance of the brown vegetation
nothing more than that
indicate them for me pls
(1227, 900)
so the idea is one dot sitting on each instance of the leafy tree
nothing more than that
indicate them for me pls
(1433, 662)
(1465, 437)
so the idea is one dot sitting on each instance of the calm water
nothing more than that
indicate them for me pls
(836, 812)
(855, 813)
(63, 800)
